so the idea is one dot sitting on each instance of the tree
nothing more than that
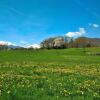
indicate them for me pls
(3, 47)
(81, 42)
(48, 43)
(55, 42)
(71, 42)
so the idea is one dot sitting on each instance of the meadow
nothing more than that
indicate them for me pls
(66, 74)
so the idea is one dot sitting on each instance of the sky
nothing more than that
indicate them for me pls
(31, 21)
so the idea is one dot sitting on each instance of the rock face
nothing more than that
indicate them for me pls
(58, 42)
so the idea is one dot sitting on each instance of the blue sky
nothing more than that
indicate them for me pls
(31, 21)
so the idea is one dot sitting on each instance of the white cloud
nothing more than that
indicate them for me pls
(94, 25)
(35, 46)
(23, 42)
(6, 43)
(76, 34)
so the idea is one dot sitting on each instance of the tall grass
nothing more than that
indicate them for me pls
(49, 75)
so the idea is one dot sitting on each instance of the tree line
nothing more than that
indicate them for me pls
(65, 42)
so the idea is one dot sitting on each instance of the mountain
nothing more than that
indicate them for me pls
(94, 41)
(91, 41)
(14, 46)
(9, 45)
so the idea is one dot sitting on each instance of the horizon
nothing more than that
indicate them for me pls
(30, 22)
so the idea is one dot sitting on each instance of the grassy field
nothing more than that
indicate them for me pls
(69, 74)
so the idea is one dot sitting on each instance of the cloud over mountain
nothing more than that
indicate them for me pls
(12, 45)
(6, 43)
(35, 46)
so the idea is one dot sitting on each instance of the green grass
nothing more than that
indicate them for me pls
(68, 74)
